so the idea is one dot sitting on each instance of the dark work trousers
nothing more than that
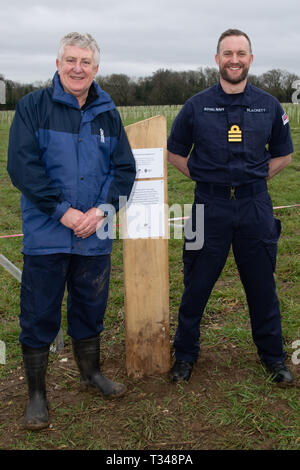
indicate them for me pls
(44, 279)
(247, 223)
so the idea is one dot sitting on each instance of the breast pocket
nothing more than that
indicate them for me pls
(101, 137)
(98, 156)
(257, 132)
(211, 136)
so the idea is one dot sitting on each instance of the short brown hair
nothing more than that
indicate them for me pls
(232, 32)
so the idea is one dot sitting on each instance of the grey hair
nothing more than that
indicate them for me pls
(83, 40)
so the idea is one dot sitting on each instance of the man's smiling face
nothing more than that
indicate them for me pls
(234, 59)
(77, 71)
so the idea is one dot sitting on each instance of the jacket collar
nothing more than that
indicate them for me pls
(101, 103)
(244, 98)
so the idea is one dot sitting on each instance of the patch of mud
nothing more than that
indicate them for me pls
(150, 403)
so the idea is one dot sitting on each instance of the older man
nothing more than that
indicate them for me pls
(68, 154)
(240, 137)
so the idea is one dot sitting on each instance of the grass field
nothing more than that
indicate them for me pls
(229, 403)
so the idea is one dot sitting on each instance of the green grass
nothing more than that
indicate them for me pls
(230, 402)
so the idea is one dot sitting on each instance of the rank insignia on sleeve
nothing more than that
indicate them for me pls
(234, 134)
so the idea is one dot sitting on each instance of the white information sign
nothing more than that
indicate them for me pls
(149, 162)
(145, 212)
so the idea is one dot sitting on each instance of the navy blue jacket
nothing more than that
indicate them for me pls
(233, 135)
(61, 156)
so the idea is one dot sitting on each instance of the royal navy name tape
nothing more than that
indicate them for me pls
(257, 110)
(213, 110)
(210, 109)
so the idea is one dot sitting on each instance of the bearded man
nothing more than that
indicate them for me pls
(239, 137)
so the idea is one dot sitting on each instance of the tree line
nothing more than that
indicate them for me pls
(163, 87)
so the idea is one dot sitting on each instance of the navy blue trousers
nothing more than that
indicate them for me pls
(44, 279)
(249, 226)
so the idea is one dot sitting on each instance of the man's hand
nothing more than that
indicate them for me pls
(88, 225)
(278, 164)
(72, 218)
(180, 163)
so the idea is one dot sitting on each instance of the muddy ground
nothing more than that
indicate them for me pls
(154, 414)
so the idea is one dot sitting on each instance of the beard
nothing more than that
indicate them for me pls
(234, 80)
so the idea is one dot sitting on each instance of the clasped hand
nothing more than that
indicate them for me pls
(84, 224)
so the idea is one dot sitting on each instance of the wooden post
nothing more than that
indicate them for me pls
(146, 275)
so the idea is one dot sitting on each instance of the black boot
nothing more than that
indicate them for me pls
(35, 366)
(181, 370)
(280, 373)
(87, 356)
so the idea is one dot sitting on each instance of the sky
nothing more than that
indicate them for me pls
(138, 37)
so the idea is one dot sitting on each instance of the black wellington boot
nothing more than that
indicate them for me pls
(35, 366)
(87, 356)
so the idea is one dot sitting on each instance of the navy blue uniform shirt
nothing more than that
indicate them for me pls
(232, 136)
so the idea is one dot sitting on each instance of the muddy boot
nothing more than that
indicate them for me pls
(87, 356)
(35, 366)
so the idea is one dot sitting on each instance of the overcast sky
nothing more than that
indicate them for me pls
(137, 37)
